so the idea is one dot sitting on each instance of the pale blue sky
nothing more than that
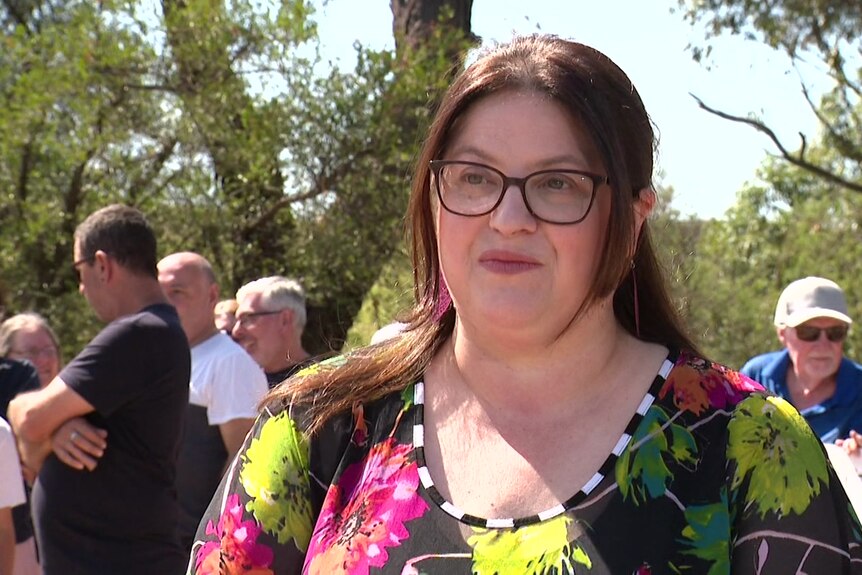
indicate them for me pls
(704, 158)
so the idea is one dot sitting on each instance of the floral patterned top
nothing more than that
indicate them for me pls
(712, 476)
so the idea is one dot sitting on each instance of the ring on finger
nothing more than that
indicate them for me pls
(73, 436)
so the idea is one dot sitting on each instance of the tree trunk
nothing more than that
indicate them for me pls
(414, 21)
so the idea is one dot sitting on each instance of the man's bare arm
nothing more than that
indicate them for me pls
(7, 541)
(233, 433)
(37, 415)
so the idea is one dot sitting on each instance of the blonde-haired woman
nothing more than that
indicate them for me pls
(28, 336)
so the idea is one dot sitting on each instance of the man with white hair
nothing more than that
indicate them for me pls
(811, 372)
(270, 319)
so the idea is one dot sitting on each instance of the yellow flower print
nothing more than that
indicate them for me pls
(531, 550)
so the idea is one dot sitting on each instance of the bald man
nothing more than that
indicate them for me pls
(225, 388)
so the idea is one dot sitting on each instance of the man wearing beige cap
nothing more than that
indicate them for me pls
(811, 372)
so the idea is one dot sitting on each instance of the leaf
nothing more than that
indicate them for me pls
(707, 535)
(532, 550)
(775, 451)
(275, 476)
(644, 472)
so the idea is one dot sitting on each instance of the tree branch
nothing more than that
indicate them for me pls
(797, 160)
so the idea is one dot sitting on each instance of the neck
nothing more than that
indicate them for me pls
(565, 369)
(292, 356)
(137, 293)
(203, 336)
(808, 391)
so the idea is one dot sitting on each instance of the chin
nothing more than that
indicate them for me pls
(507, 317)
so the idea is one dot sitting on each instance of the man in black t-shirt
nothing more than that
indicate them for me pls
(105, 432)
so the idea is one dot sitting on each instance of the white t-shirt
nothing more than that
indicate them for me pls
(225, 380)
(11, 480)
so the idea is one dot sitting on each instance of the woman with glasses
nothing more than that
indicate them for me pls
(28, 336)
(543, 411)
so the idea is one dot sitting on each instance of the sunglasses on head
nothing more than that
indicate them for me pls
(809, 333)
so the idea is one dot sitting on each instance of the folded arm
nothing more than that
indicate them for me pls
(37, 416)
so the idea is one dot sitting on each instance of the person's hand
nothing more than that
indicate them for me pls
(79, 444)
(852, 444)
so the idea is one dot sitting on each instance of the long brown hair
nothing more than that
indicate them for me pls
(599, 94)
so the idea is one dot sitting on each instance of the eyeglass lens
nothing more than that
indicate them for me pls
(249, 318)
(835, 333)
(49, 351)
(556, 196)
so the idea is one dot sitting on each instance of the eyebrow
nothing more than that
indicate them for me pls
(553, 161)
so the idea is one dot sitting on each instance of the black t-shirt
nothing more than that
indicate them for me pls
(276, 377)
(121, 517)
(17, 377)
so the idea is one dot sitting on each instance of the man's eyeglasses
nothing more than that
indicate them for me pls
(553, 196)
(248, 319)
(809, 333)
(76, 264)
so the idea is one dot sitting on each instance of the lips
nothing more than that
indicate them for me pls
(507, 262)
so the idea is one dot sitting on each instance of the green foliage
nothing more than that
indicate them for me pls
(805, 219)
(676, 240)
(791, 25)
(218, 121)
(389, 299)
(792, 228)
(827, 33)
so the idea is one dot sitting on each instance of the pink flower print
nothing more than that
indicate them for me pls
(236, 551)
(366, 511)
(697, 384)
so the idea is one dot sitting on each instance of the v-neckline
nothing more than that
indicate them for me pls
(512, 522)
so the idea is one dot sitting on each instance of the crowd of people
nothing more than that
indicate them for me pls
(541, 410)
(125, 445)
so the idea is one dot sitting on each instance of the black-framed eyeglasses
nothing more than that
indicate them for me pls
(76, 265)
(810, 333)
(247, 319)
(554, 196)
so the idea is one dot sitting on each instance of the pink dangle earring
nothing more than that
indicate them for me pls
(444, 299)
(637, 308)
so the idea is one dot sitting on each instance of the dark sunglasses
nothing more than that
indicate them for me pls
(809, 333)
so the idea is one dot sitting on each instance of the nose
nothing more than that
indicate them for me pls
(42, 360)
(238, 330)
(511, 215)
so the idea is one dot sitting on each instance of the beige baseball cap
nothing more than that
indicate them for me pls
(808, 298)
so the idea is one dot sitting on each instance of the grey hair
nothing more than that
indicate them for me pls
(22, 321)
(277, 293)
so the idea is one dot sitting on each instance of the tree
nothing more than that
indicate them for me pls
(414, 22)
(828, 31)
(676, 241)
(795, 227)
(233, 142)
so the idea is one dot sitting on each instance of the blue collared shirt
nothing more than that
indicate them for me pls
(834, 418)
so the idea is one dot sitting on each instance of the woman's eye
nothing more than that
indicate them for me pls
(475, 179)
(556, 183)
